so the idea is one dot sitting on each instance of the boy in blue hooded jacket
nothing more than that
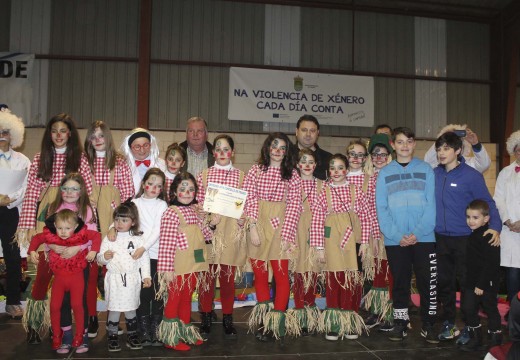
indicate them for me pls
(456, 185)
(405, 202)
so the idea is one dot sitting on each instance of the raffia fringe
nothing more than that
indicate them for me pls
(36, 316)
(191, 334)
(170, 331)
(275, 324)
(352, 278)
(343, 322)
(308, 280)
(165, 279)
(258, 313)
(354, 322)
(376, 300)
(331, 320)
(306, 318)
(21, 238)
(387, 312)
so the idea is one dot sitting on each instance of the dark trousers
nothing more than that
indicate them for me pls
(488, 300)
(8, 225)
(451, 255)
(421, 259)
(149, 305)
(512, 282)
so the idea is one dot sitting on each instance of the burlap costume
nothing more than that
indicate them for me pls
(338, 260)
(228, 245)
(191, 261)
(104, 196)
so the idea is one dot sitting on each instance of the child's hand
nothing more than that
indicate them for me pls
(35, 258)
(112, 234)
(255, 238)
(109, 254)
(363, 248)
(215, 219)
(147, 283)
(138, 253)
(241, 221)
(478, 291)
(91, 256)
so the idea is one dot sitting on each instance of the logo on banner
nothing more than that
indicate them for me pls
(298, 83)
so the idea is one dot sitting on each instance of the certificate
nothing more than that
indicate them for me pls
(224, 200)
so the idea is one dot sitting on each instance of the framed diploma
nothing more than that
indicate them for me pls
(224, 200)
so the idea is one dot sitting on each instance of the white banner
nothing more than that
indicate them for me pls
(15, 83)
(284, 96)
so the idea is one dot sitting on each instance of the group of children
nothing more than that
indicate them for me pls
(374, 220)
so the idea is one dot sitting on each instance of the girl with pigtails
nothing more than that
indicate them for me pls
(61, 153)
(273, 208)
(228, 249)
(182, 263)
(306, 266)
(341, 218)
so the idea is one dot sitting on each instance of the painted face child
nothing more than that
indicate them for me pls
(337, 171)
(174, 161)
(153, 186)
(60, 134)
(223, 152)
(97, 139)
(379, 156)
(277, 152)
(185, 192)
(356, 157)
(307, 164)
(70, 191)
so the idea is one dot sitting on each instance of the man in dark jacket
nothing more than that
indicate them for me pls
(307, 132)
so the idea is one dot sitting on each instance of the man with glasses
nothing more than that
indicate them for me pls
(307, 132)
(11, 163)
(142, 153)
(199, 151)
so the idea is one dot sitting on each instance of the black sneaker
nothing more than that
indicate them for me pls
(386, 326)
(133, 342)
(372, 321)
(398, 333)
(428, 333)
(93, 326)
(113, 343)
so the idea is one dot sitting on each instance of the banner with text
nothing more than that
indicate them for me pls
(16, 83)
(284, 96)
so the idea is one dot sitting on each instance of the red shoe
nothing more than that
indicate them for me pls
(199, 342)
(77, 341)
(179, 347)
(56, 340)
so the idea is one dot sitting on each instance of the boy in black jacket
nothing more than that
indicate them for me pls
(482, 276)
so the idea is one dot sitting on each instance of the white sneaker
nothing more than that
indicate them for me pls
(332, 336)
(351, 336)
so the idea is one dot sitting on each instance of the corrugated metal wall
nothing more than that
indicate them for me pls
(91, 90)
(232, 32)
